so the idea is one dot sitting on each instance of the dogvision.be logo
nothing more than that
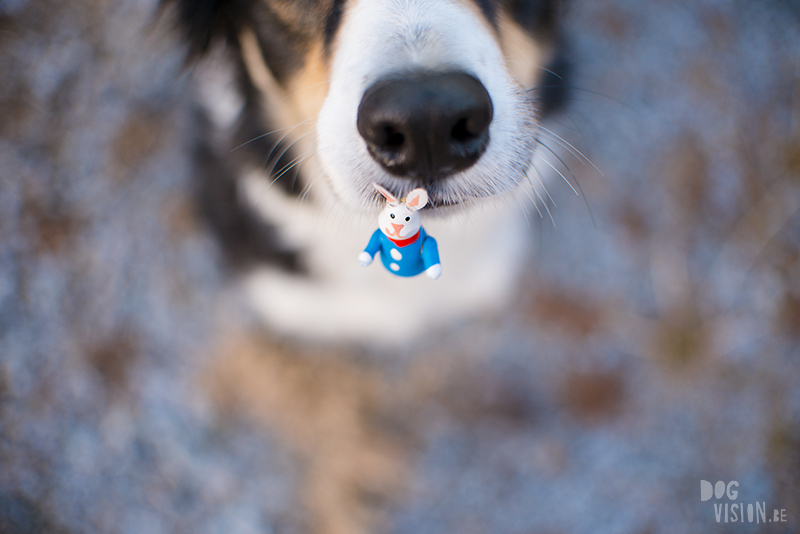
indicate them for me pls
(735, 512)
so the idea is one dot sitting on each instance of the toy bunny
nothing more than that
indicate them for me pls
(406, 250)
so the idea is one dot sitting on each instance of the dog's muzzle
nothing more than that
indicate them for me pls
(426, 125)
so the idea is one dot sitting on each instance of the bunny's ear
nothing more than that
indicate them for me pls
(389, 197)
(417, 199)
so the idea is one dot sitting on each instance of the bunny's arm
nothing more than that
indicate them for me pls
(430, 252)
(373, 247)
(430, 258)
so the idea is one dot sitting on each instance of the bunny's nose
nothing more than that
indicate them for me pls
(395, 231)
(426, 125)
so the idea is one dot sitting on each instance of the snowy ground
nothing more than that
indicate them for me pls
(654, 348)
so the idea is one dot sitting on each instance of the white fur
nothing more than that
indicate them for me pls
(218, 94)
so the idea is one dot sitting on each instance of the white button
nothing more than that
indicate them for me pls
(394, 267)
(396, 254)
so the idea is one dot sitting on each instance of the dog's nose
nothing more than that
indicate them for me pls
(426, 125)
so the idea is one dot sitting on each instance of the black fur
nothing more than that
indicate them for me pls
(203, 21)
(334, 19)
(245, 238)
(539, 17)
(249, 144)
(489, 9)
(282, 46)
(553, 92)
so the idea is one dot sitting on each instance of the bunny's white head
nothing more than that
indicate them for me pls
(400, 219)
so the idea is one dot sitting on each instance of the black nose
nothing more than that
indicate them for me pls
(426, 125)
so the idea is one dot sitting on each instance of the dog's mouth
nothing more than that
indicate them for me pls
(443, 204)
(442, 196)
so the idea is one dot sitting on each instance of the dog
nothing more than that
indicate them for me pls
(303, 105)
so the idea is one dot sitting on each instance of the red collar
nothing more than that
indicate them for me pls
(406, 241)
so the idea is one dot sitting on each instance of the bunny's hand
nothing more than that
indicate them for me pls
(374, 245)
(434, 271)
(365, 258)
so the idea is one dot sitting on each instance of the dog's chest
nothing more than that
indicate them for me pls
(337, 299)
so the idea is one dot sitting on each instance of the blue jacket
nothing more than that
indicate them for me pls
(409, 260)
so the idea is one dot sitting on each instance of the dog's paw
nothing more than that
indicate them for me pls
(365, 259)
(434, 271)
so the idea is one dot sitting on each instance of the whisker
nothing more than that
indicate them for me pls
(524, 212)
(299, 160)
(350, 228)
(294, 160)
(283, 170)
(561, 142)
(262, 193)
(555, 154)
(278, 142)
(569, 146)
(283, 152)
(535, 192)
(307, 189)
(299, 170)
(325, 223)
(258, 199)
(577, 183)
(550, 72)
(272, 132)
(541, 182)
(559, 173)
(573, 88)
(336, 225)
(535, 204)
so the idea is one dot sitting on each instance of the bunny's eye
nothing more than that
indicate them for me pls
(391, 215)
(408, 219)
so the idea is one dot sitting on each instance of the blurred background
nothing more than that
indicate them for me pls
(654, 342)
